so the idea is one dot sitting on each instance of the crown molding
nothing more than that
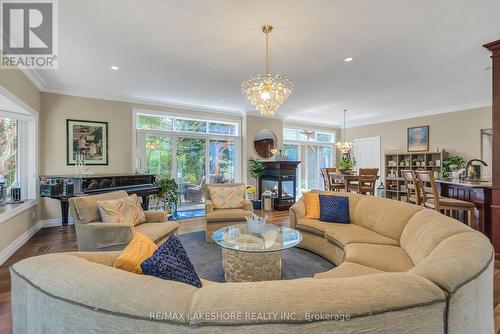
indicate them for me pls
(458, 108)
(143, 101)
(35, 78)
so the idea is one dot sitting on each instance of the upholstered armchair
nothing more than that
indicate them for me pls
(218, 218)
(94, 235)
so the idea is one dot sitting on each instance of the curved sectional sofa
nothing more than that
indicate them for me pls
(400, 269)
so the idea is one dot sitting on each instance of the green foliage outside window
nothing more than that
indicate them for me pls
(8, 149)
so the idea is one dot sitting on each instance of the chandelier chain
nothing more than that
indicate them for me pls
(267, 53)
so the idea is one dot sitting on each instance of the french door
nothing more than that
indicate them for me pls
(192, 161)
(313, 157)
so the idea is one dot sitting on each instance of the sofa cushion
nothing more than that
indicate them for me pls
(382, 215)
(127, 210)
(170, 262)
(313, 226)
(74, 280)
(227, 197)
(334, 209)
(86, 206)
(348, 269)
(356, 296)
(343, 234)
(139, 249)
(381, 257)
(456, 260)
(228, 215)
(157, 231)
(311, 202)
(425, 231)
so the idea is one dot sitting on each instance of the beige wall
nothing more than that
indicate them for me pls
(17, 83)
(252, 125)
(456, 132)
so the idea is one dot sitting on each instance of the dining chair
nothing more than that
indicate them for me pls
(329, 184)
(367, 177)
(412, 187)
(448, 206)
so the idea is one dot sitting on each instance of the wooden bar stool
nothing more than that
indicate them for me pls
(434, 201)
(412, 189)
(329, 184)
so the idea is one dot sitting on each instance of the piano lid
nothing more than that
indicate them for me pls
(72, 176)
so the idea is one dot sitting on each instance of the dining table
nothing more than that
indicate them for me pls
(345, 178)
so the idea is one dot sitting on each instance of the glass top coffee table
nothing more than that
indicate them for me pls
(254, 256)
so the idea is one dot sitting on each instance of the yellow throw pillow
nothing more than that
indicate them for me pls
(124, 210)
(138, 250)
(311, 201)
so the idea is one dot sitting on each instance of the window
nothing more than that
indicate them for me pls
(305, 135)
(151, 122)
(187, 125)
(8, 150)
(192, 151)
(178, 124)
(315, 149)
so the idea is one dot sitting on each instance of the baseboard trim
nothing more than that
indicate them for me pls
(23, 238)
(53, 222)
(18, 243)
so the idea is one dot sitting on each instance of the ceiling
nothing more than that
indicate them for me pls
(411, 57)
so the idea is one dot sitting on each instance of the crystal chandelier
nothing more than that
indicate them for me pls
(344, 146)
(267, 92)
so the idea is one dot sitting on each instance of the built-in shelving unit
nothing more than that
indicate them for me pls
(395, 162)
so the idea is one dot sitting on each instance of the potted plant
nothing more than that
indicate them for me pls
(169, 193)
(256, 170)
(345, 165)
(418, 161)
(451, 163)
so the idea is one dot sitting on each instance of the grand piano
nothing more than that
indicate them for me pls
(63, 187)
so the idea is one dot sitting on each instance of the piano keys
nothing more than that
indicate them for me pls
(63, 187)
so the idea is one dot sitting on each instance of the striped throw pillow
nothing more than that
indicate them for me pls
(230, 197)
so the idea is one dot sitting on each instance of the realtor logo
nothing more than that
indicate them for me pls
(29, 34)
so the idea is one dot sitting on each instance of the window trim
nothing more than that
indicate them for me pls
(29, 120)
(140, 133)
(303, 147)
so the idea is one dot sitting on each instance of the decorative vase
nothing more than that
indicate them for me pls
(256, 224)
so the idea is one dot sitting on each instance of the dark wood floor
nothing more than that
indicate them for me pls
(55, 239)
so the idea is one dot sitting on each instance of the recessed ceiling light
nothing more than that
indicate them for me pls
(349, 59)
(113, 67)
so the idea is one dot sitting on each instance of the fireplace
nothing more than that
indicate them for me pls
(280, 177)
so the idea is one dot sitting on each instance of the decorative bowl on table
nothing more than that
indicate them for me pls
(256, 224)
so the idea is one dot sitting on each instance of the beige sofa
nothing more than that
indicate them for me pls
(94, 235)
(219, 218)
(401, 269)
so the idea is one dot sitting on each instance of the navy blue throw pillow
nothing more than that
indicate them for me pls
(334, 209)
(171, 262)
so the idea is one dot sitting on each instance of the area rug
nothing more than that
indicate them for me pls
(188, 214)
(207, 259)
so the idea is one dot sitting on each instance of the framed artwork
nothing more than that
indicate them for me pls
(87, 141)
(418, 139)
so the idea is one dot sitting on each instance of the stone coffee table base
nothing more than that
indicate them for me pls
(250, 267)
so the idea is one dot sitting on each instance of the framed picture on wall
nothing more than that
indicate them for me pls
(418, 139)
(87, 141)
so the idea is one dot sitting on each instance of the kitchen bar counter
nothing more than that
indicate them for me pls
(477, 192)
(471, 184)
